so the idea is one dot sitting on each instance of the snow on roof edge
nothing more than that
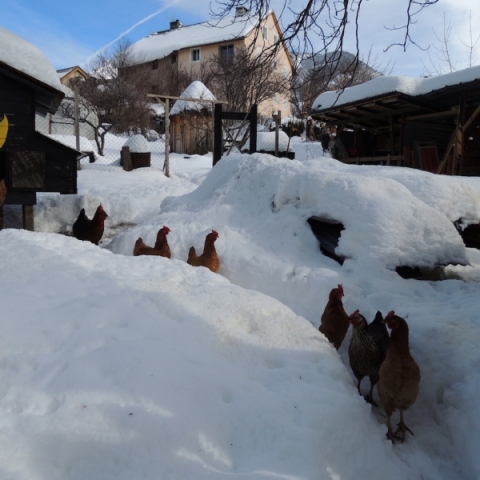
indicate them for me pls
(384, 85)
(24, 57)
(159, 45)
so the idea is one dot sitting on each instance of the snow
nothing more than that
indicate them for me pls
(28, 59)
(266, 141)
(195, 90)
(395, 84)
(159, 45)
(71, 141)
(137, 144)
(121, 367)
(158, 109)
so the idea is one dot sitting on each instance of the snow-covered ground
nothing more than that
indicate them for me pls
(122, 367)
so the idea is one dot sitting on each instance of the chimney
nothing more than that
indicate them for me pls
(241, 11)
(175, 24)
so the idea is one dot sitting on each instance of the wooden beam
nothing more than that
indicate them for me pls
(166, 164)
(433, 116)
(160, 99)
(441, 165)
(472, 118)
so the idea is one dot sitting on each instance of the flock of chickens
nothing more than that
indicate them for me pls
(385, 359)
(91, 230)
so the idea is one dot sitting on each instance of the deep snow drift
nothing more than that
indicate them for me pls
(122, 367)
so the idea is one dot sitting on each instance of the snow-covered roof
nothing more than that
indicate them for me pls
(159, 45)
(195, 90)
(21, 55)
(395, 84)
(158, 109)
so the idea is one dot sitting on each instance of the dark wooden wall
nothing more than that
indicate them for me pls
(55, 165)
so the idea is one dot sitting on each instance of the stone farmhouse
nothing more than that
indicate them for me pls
(191, 47)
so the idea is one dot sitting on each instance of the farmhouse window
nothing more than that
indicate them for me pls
(195, 55)
(275, 38)
(155, 65)
(265, 33)
(173, 58)
(226, 52)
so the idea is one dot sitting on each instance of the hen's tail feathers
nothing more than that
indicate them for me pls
(139, 244)
(192, 255)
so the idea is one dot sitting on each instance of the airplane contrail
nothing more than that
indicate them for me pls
(126, 32)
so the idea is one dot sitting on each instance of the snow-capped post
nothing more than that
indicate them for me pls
(139, 151)
(166, 164)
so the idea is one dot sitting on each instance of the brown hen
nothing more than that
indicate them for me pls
(90, 230)
(334, 321)
(399, 375)
(209, 257)
(160, 249)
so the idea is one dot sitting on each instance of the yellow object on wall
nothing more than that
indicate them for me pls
(3, 130)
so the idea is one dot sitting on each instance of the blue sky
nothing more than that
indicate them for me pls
(70, 33)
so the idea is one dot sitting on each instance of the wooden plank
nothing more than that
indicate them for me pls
(433, 116)
(27, 214)
(160, 98)
(441, 166)
(472, 118)
(383, 158)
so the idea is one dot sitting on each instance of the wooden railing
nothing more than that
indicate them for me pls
(385, 158)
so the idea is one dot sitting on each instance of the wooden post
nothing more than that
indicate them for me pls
(76, 123)
(458, 157)
(1, 217)
(126, 159)
(392, 137)
(253, 128)
(217, 133)
(166, 165)
(27, 214)
(278, 121)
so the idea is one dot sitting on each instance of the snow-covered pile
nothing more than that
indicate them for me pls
(137, 144)
(288, 192)
(121, 367)
(27, 58)
(266, 141)
(195, 90)
(390, 84)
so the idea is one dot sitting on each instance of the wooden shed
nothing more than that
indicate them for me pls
(29, 161)
(191, 122)
(431, 124)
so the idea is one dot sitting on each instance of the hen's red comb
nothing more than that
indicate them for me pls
(391, 313)
(356, 312)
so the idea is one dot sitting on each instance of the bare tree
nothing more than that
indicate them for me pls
(114, 97)
(320, 26)
(243, 79)
(444, 62)
(318, 76)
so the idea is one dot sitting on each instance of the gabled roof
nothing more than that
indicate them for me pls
(63, 72)
(161, 44)
(195, 90)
